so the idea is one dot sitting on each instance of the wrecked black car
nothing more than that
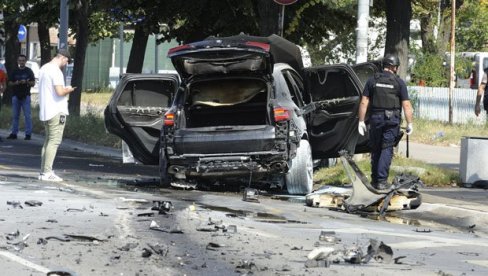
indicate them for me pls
(242, 107)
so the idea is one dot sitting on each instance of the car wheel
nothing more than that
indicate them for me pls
(299, 179)
(164, 177)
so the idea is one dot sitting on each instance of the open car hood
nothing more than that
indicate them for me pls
(218, 56)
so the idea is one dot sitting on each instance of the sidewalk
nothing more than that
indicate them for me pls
(464, 208)
(446, 157)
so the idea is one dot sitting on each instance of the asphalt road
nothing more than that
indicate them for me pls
(97, 222)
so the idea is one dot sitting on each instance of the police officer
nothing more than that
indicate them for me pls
(384, 96)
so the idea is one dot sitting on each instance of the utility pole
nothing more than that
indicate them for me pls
(362, 31)
(453, 55)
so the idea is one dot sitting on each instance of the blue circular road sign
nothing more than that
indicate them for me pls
(22, 33)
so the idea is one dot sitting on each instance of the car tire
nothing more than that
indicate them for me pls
(299, 179)
(164, 177)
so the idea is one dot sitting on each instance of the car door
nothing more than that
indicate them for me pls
(136, 109)
(335, 92)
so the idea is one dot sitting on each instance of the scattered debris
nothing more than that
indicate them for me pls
(214, 246)
(175, 230)
(151, 214)
(250, 195)
(423, 230)
(328, 236)
(52, 221)
(12, 235)
(135, 200)
(42, 241)
(146, 253)
(162, 206)
(60, 273)
(325, 256)
(71, 237)
(76, 210)
(33, 203)
(184, 185)
(246, 267)
(102, 214)
(159, 249)
(397, 259)
(15, 204)
(379, 251)
(128, 246)
(231, 229)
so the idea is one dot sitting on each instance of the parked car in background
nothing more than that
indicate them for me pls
(245, 110)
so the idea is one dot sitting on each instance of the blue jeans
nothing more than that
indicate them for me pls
(25, 105)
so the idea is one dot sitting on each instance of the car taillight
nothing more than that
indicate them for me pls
(169, 119)
(261, 45)
(281, 114)
(178, 48)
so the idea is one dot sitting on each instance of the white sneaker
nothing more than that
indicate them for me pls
(50, 176)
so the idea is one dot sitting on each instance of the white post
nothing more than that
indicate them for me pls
(362, 31)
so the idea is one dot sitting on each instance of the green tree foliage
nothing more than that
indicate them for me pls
(472, 26)
(430, 70)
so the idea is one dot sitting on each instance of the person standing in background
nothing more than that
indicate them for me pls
(482, 91)
(53, 109)
(3, 83)
(21, 80)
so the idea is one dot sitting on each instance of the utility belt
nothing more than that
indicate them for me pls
(389, 113)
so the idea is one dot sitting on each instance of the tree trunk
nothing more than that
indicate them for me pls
(443, 39)
(398, 15)
(427, 23)
(44, 42)
(12, 49)
(268, 17)
(82, 33)
(137, 51)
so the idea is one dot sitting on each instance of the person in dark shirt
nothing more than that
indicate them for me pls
(21, 80)
(384, 96)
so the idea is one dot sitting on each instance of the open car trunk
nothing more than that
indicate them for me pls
(230, 102)
(225, 115)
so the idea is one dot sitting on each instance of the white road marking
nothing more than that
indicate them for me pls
(24, 262)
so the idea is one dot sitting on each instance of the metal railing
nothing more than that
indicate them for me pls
(432, 103)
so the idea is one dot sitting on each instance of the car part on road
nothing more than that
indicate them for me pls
(250, 194)
(402, 195)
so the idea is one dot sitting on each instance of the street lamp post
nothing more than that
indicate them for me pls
(63, 26)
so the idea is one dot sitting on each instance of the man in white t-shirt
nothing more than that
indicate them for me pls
(53, 109)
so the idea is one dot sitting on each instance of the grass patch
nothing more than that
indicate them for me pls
(444, 134)
(431, 175)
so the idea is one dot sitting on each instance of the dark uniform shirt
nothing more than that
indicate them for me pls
(21, 90)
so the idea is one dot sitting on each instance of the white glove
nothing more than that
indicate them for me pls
(409, 129)
(362, 128)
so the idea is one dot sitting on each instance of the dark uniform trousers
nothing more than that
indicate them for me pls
(384, 129)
